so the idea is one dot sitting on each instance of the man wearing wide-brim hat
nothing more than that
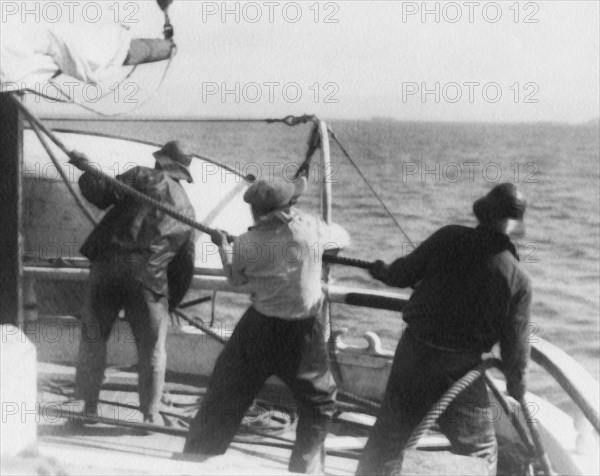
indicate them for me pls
(279, 259)
(142, 260)
(470, 292)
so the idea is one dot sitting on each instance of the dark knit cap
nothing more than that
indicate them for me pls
(503, 201)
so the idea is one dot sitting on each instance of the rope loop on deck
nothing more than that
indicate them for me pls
(441, 406)
(534, 448)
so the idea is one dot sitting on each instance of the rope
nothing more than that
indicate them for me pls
(170, 211)
(52, 387)
(63, 175)
(513, 418)
(371, 405)
(536, 449)
(314, 143)
(365, 402)
(52, 411)
(132, 192)
(455, 390)
(287, 120)
(381, 202)
(199, 326)
(356, 263)
(195, 302)
(542, 457)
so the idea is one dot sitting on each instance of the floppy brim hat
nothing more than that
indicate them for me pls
(270, 195)
(174, 150)
(503, 201)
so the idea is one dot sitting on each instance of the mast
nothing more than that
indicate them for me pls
(11, 267)
(326, 213)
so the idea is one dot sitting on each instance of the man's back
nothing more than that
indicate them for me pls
(280, 259)
(144, 236)
(465, 283)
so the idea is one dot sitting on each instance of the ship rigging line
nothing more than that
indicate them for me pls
(62, 174)
(357, 168)
(123, 187)
(39, 127)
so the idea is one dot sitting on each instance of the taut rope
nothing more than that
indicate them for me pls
(63, 176)
(86, 167)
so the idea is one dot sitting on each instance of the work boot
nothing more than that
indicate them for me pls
(152, 419)
(89, 414)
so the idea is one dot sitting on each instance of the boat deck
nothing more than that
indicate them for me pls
(101, 448)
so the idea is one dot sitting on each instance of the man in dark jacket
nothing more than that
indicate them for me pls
(470, 292)
(141, 259)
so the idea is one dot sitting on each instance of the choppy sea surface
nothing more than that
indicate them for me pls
(428, 175)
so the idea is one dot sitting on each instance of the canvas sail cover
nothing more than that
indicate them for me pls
(33, 54)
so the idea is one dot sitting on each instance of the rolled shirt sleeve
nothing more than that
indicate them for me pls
(233, 263)
(333, 236)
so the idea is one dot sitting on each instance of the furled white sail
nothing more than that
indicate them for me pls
(32, 54)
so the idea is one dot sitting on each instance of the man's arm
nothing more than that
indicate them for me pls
(408, 271)
(514, 342)
(332, 237)
(231, 257)
(100, 193)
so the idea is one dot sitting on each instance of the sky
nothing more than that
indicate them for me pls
(423, 61)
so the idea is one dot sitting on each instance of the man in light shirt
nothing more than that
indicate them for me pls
(280, 261)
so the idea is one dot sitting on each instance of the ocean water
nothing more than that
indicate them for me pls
(428, 175)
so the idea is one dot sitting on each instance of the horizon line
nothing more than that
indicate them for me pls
(592, 121)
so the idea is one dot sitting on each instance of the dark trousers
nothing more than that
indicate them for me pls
(112, 287)
(419, 377)
(262, 346)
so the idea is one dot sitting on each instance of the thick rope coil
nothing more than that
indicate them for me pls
(536, 449)
(513, 418)
(455, 390)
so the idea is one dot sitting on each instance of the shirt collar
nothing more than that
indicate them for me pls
(501, 240)
(175, 170)
(274, 219)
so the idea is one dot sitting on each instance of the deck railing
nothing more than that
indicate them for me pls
(569, 374)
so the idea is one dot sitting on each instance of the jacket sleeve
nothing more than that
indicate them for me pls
(97, 191)
(515, 340)
(100, 193)
(408, 271)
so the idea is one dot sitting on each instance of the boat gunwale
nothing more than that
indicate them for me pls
(545, 354)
